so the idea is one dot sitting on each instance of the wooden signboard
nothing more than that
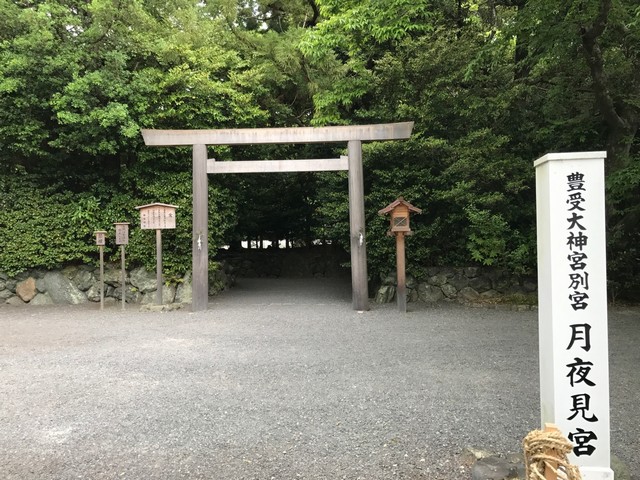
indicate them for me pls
(122, 239)
(101, 236)
(122, 233)
(157, 216)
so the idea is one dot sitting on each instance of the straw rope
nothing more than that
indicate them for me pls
(548, 450)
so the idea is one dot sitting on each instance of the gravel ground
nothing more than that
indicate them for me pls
(280, 379)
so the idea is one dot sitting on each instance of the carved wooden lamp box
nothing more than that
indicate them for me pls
(157, 216)
(400, 210)
(101, 236)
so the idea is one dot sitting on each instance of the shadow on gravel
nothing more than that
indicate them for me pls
(290, 291)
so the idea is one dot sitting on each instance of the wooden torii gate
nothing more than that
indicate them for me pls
(353, 135)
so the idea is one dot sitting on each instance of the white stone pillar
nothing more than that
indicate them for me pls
(572, 297)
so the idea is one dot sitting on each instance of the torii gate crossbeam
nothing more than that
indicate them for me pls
(353, 135)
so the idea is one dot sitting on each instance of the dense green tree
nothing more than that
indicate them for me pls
(496, 84)
(582, 85)
(79, 80)
(460, 167)
(490, 85)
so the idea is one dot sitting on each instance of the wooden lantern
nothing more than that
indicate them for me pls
(122, 233)
(101, 236)
(157, 216)
(400, 211)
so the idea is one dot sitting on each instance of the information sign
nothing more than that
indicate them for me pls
(157, 216)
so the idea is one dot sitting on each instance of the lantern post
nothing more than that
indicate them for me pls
(400, 211)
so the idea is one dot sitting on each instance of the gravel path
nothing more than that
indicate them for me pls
(280, 379)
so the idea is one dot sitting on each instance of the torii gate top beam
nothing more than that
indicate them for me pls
(256, 136)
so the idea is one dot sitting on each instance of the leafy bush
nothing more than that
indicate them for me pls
(48, 227)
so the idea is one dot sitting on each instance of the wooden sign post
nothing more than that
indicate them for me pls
(100, 241)
(399, 210)
(122, 239)
(158, 216)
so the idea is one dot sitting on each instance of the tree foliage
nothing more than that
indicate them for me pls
(490, 86)
(496, 85)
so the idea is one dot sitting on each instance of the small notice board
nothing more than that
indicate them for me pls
(157, 216)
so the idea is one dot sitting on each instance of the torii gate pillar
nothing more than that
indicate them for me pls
(200, 235)
(354, 135)
(359, 277)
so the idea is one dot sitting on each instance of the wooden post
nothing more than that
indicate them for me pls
(200, 247)
(101, 277)
(159, 266)
(122, 239)
(551, 467)
(401, 291)
(124, 276)
(359, 277)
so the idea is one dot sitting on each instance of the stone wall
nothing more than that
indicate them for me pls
(469, 285)
(81, 284)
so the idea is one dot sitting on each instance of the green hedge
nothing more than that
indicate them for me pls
(45, 226)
